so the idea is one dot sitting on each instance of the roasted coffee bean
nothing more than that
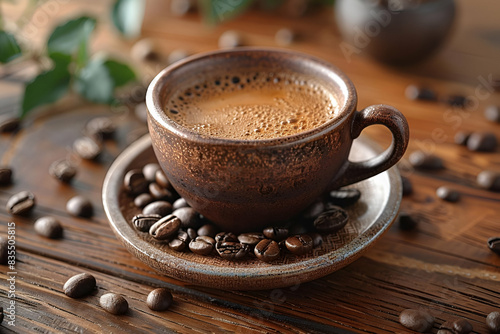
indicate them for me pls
(492, 113)
(159, 299)
(180, 203)
(63, 170)
(165, 228)
(160, 193)
(250, 239)
(100, 127)
(267, 250)
(144, 50)
(202, 245)
(141, 112)
(231, 250)
(135, 183)
(162, 179)
(299, 244)
(5, 175)
(459, 326)
(87, 148)
(448, 194)
(49, 227)
(142, 200)
(406, 222)
(456, 101)
(180, 7)
(4, 247)
(489, 180)
(494, 244)
(180, 242)
(317, 239)
(414, 92)
(344, 197)
(144, 222)
(482, 142)
(284, 37)
(188, 216)
(80, 285)
(177, 55)
(230, 39)
(161, 208)
(332, 220)
(461, 138)
(313, 210)
(21, 203)
(114, 303)
(225, 237)
(191, 233)
(407, 186)
(80, 206)
(417, 320)
(493, 322)
(275, 233)
(8, 123)
(208, 230)
(149, 171)
(422, 160)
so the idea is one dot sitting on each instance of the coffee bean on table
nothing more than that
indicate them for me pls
(275, 233)
(4, 247)
(494, 244)
(456, 100)
(87, 148)
(180, 203)
(414, 92)
(80, 285)
(149, 171)
(100, 127)
(332, 220)
(313, 210)
(160, 193)
(80, 206)
(188, 216)
(344, 197)
(177, 55)
(250, 239)
(225, 237)
(162, 179)
(63, 170)
(202, 245)
(493, 322)
(48, 227)
(159, 299)
(448, 194)
(406, 222)
(489, 180)
(407, 186)
(9, 123)
(144, 50)
(165, 228)
(299, 244)
(422, 160)
(492, 113)
(230, 39)
(417, 320)
(267, 250)
(161, 208)
(21, 203)
(482, 142)
(142, 200)
(317, 239)
(461, 138)
(459, 326)
(5, 175)
(231, 250)
(135, 182)
(114, 303)
(180, 7)
(284, 37)
(207, 230)
(144, 222)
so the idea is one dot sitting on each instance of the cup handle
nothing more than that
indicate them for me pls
(395, 121)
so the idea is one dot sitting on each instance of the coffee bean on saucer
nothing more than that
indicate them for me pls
(21, 203)
(313, 210)
(5, 175)
(80, 285)
(202, 245)
(159, 299)
(180, 242)
(284, 37)
(414, 92)
(225, 237)
(489, 180)
(422, 160)
(114, 303)
(267, 250)
(332, 220)
(231, 250)
(494, 244)
(250, 239)
(165, 228)
(230, 39)
(87, 148)
(149, 171)
(180, 203)
(458, 326)
(493, 322)
(407, 186)
(191, 233)
(456, 101)
(344, 197)
(448, 194)
(100, 127)
(63, 170)
(207, 230)
(9, 123)
(80, 206)
(417, 320)
(188, 216)
(482, 142)
(48, 227)
(316, 238)
(275, 233)
(162, 179)
(4, 250)
(299, 244)
(406, 222)
(492, 113)
(142, 200)
(161, 208)
(134, 182)
(144, 222)
(461, 138)
(160, 193)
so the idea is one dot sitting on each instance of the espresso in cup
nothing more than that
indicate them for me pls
(252, 105)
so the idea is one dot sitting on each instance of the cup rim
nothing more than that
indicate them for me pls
(156, 110)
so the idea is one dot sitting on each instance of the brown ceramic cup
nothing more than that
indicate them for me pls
(245, 185)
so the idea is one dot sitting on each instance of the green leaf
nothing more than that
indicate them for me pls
(119, 72)
(47, 87)
(217, 11)
(95, 83)
(9, 49)
(127, 16)
(72, 37)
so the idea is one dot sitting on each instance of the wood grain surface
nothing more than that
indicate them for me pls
(444, 265)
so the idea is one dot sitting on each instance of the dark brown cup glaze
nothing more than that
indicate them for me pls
(245, 185)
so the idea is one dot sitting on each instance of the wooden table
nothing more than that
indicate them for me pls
(444, 265)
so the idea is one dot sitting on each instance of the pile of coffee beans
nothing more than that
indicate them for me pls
(167, 218)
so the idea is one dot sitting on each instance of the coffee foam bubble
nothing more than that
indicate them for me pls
(256, 105)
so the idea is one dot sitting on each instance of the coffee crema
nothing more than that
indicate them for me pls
(252, 106)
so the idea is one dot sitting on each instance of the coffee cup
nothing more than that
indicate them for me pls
(246, 175)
